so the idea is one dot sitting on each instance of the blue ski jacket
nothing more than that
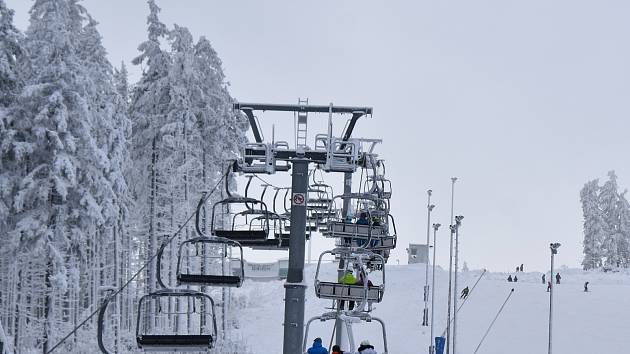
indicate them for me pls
(317, 348)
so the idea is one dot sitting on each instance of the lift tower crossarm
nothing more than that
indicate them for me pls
(249, 108)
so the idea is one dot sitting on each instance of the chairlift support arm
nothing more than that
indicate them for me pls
(249, 108)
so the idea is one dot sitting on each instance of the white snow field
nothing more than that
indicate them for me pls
(593, 322)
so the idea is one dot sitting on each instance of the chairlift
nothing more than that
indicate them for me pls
(237, 227)
(348, 321)
(381, 237)
(370, 235)
(363, 293)
(176, 320)
(201, 261)
(341, 155)
(258, 158)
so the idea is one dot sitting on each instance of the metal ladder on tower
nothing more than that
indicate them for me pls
(301, 126)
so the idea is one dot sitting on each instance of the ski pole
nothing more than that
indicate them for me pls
(494, 320)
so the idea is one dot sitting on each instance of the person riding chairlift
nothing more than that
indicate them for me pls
(317, 347)
(366, 348)
(347, 279)
(363, 219)
(361, 280)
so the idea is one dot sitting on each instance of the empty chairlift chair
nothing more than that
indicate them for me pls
(234, 220)
(258, 158)
(175, 320)
(341, 155)
(334, 290)
(208, 261)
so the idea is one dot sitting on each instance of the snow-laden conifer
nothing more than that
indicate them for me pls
(594, 226)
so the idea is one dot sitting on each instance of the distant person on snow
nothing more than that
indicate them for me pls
(543, 279)
(586, 287)
(366, 348)
(465, 293)
(558, 277)
(510, 278)
(517, 269)
(515, 279)
(336, 350)
(521, 267)
(317, 347)
(548, 286)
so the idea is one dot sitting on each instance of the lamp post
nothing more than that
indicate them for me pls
(431, 346)
(425, 312)
(450, 272)
(554, 250)
(458, 223)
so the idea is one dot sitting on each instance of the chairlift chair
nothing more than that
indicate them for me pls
(258, 158)
(382, 238)
(348, 321)
(378, 185)
(198, 259)
(237, 227)
(176, 320)
(371, 235)
(341, 155)
(358, 293)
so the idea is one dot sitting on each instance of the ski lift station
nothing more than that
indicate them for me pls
(417, 253)
(263, 271)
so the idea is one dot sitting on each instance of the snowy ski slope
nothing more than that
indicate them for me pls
(593, 322)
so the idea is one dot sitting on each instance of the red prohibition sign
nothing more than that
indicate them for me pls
(298, 199)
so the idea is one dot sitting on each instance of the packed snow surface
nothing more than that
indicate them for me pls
(584, 322)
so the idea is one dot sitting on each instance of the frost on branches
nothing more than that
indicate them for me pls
(606, 225)
(95, 172)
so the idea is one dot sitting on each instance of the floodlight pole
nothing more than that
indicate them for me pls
(295, 288)
(450, 270)
(554, 250)
(425, 312)
(458, 223)
(431, 346)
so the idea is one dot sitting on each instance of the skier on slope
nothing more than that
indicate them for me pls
(510, 278)
(317, 347)
(558, 277)
(586, 287)
(543, 279)
(465, 293)
(548, 286)
(366, 348)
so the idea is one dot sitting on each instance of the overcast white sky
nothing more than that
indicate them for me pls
(524, 101)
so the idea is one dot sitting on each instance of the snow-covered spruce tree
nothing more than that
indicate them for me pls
(623, 242)
(11, 53)
(66, 187)
(183, 130)
(609, 204)
(121, 81)
(147, 108)
(594, 225)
